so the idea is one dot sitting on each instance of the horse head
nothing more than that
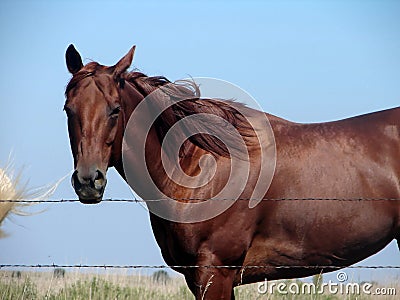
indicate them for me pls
(95, 126)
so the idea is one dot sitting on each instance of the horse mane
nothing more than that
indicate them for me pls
(185, 100)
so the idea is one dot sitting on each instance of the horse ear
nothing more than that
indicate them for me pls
(73, 59)
(124, 63)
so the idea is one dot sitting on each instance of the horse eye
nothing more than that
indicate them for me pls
(115, 111)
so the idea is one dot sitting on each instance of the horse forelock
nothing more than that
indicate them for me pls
(89, 69)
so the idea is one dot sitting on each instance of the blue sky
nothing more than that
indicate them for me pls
(307, 61)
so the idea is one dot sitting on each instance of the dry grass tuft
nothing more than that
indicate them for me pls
(12, 188)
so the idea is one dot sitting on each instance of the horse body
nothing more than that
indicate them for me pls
(353, 158)
(310, 164)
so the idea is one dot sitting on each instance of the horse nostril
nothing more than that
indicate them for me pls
(99, 180)
(75, 181)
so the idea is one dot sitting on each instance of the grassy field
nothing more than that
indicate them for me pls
(73, 285)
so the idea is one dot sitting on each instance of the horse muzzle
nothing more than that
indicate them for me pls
(90, 186)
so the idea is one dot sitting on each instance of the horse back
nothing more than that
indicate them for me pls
(354, 158)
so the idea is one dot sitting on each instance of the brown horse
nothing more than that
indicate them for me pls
(350, 159)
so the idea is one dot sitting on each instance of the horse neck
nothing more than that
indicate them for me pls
(130, 98)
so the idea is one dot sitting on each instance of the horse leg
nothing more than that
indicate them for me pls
(233, 294)
(191, 283)
(207, 282)
(197, 289)
(212, 283)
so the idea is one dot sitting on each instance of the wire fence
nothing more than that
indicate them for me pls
(105, 266)
(199, 199)
(79, 266)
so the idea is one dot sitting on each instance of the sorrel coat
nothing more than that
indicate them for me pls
(338, 163)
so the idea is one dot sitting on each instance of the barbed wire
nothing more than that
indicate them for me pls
(197, 199)
(80, 266)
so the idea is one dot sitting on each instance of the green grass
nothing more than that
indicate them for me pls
(104, 286)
